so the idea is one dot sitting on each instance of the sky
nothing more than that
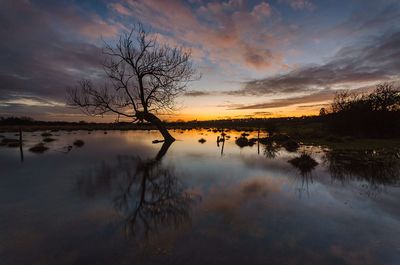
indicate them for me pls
(257, 58)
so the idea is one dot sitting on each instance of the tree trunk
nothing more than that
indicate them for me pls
(153, 119)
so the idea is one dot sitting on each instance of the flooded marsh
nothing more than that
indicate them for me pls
(211, 197)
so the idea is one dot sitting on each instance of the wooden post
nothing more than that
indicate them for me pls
(258, 140)
(20, 145)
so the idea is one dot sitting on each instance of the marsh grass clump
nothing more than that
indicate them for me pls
(281, 140)
(280, 137)
(374, 166)
(49, 140)
(305, 163)
(46, 134)
(252, 141)
(13, 144)
(202, 140)
(38, 148)
(10, 142)
(265, 140)
(79, 143)
(242, 142)
(290, 145)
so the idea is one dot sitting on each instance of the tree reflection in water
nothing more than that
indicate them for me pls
(373, 166)
(148, 193)
(271, 149)
(377, 168)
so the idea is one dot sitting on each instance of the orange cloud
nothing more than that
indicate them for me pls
(227, 33)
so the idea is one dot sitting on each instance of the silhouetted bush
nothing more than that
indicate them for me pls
(290, 145)
(374, 166)
(252, 141)
(48, 140)
(242, 142)
(280, 137)
(39, 148)
(305, 163)
(79, 143)
(376, 114)
(16, 121)
(9, 142)
(265, 140)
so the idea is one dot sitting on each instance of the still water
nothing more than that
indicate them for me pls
(120, 199)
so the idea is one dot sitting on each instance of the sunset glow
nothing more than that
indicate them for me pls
(258, 59)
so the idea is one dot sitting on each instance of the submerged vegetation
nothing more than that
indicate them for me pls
(49, 140)
(38, 148)
(46, 134)
(242, 142)
(374, 166)
(79, 143)
(304, 163)
(10, 142)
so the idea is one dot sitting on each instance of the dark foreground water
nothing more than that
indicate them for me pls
(119, 199)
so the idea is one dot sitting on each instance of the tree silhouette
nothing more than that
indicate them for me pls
(144, 78)
(376, 114)
(385, 98)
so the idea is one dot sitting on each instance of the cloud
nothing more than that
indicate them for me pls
(197, 93)
(29, 101)
(42, 59)
(261, 10)
(371, 61)
(262, 113)
(372, 17)
(228, 33)
(299, 4)
(322, 95)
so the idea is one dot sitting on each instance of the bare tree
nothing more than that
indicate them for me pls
(144, 78)
(343, 100)
(385, 97)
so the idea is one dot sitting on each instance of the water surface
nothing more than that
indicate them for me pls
(119, 199)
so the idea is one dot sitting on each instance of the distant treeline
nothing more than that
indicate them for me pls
(376, 114)
(366, 115)
(225, 123)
